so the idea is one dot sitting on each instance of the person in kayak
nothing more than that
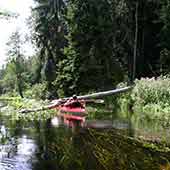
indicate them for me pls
(75, 103)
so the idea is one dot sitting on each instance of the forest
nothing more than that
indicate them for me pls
(83, 47)
(87, 45)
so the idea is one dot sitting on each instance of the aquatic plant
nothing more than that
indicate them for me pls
(148, 100)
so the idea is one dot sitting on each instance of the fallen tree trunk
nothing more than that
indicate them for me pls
(104, 93)
(58, 102)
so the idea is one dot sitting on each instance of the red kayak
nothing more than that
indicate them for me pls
(73, 112)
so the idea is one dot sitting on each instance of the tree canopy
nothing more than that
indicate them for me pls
(89, 45)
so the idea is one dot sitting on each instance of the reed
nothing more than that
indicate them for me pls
(148, 100)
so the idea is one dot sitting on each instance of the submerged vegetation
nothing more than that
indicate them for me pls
(97, 149)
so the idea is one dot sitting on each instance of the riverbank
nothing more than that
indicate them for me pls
(149, 100)
(13, 105)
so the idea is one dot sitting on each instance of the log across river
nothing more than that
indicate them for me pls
(98, 95)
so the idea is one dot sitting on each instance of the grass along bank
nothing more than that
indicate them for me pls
(148, 101)
(12, 105)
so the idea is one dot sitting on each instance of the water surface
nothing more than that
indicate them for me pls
(99, 145)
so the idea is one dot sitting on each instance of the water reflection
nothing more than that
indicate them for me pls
(17, 154)
(50, 145)
(55, 121)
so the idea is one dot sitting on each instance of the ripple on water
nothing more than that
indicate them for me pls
(18, 156)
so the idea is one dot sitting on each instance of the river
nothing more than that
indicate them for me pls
(99, 145)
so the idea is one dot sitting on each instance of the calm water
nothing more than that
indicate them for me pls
(49, 145)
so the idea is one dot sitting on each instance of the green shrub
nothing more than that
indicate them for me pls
(151, 95)
(124, 101)
(37, 91)
(149, 100)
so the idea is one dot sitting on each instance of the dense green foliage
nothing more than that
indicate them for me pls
(148, 101)
(84, 46)
(15, 104)
(90, 50)
(15, 63)
(48, 34)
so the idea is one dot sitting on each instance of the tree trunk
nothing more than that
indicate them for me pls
(105, 93)
(19, 86)
(136, 41)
